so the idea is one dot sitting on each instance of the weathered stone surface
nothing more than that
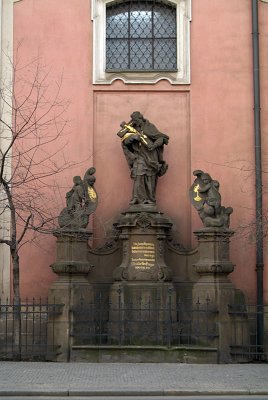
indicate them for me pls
(143, 146)
(214, 254)
(206, 199)
(143, 236)
(214, 288)
(72, 268)
(146, 311)
(81, 201)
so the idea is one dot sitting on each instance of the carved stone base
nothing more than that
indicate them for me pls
(213, 246)
(143, 234)
(213, 290)
(70, 287)
(72, 251)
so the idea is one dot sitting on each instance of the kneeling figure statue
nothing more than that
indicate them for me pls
(81, 201)
(206, 198)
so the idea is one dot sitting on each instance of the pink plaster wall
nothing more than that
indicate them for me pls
(222, 116)
(110, 107)
(263, 38)
(210, 122)
(59, 32)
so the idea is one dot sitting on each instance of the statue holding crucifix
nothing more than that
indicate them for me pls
(143, 146)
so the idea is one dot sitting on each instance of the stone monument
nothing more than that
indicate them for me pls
(143, 146)
(143, 273)
(72, 266)
(214, 263)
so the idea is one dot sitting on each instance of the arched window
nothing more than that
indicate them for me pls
(141, 41)
(141, 36)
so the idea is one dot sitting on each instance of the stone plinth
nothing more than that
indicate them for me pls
(71, 285)
(213, 246)
(142, 298)
(214, 290)
(143, 231)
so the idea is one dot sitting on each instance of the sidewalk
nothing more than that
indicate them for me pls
(82, 379)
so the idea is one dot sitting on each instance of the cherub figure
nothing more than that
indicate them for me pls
(206, 198)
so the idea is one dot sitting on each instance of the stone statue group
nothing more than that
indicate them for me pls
(143, 146)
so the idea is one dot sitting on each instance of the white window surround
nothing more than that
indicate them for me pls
(6, 47)
(181, 76)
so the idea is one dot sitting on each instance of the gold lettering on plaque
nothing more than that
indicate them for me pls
(143, 255)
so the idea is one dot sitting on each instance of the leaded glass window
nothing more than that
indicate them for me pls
(141, 36)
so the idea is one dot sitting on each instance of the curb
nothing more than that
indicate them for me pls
(120, 393)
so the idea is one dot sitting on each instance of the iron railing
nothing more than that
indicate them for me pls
(119, 321)
(246, 345)
(24, 329)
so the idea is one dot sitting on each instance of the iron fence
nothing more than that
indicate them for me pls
(147, 320)
(24, 329)
(249, 342)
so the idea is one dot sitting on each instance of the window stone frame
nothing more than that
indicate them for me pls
(181, 76)
(6, 47)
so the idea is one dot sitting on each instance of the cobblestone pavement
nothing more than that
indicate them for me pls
(80, 379)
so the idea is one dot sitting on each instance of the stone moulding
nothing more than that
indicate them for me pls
(72, 250)
(69, 267)
(143, 220)
(214, 251)
(76, 234)
(136, 230)
(107, 248)
(178, 248)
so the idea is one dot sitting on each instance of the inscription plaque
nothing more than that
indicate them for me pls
(143, 237)
(143, 255)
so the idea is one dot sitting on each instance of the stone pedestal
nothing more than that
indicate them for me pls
(70, 288)
(143, 231)
(214, 291)
(142, 299)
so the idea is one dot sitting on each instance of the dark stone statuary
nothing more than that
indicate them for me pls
(143, 274)
(214, 265)
(206, 199)
(143, 147)
(72, 235)
(143, 235)
(81, 201)
(146, 295)
(143, 230)
(72, 265)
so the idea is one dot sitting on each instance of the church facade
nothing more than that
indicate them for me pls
(185, 65)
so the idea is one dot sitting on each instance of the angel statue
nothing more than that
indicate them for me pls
(81, 201)
(143, 147)
(206, 199)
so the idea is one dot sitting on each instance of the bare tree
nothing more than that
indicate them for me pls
(32, 122)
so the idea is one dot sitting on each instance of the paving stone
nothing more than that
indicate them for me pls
(76, 379)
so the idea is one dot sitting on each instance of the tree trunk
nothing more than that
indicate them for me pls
(16, 305)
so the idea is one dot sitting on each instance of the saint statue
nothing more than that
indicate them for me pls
(143, 147)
